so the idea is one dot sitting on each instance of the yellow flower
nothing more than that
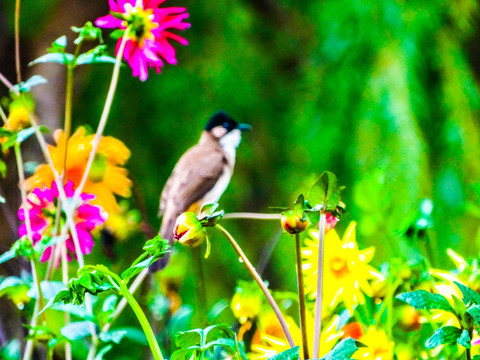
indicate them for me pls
(18, 117)
(378, 346)
(270, 340)
(345, 270)
(247, 301)
(107, 178)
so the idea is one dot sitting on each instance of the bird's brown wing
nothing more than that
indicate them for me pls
(195, 174)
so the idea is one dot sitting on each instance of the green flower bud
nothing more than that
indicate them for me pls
(188, 230)
(295, 222)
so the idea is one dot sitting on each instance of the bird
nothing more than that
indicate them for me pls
(201, 175)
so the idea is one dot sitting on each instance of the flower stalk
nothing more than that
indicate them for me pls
(319, 297)
(40, 302)
(17, 41)
(301, 297)
(260, 283)
(142, 319)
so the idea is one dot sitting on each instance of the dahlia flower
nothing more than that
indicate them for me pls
(346, 269)
(106, 178)
(42, 211)
(148, 41)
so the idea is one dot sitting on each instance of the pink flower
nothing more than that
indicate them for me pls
(148, 43)
(42, 211)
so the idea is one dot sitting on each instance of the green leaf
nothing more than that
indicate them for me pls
(11, 351)
(465, 340)
(423, 300)
(476, 357)
(185, 339)
(219, 331)
(7, 255)
(59, 45)
(85, 59)
(217, 309)
(109, 304)
(57, 58)
(290, 354)
(326, 192)
(25, 134)
(77, 330)
(343, 350)
(117, 34)
(27, 85)
(469, 296)
(115, 336)
(474, 311)
(444, 335)
(137, 268)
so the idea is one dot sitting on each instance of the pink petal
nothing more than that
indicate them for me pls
(109, 21)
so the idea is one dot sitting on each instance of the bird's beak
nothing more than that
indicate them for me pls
(244, 127)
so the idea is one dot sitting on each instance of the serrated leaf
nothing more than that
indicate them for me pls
(26, 133)
(85, 59)
(185, 339)
(76, 330)
(57, 58)
(474, 311)
(290, 354)
(219, 331)
(109, 304)
(465, 339)
(27, 85)
(343, 350)
(59, 45)
(326, 191)
(423, 300)
(470, 296)
(115, 336)
(7, 255)
(137, 268)
(442, 336)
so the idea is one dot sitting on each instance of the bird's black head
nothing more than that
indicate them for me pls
(220, 118)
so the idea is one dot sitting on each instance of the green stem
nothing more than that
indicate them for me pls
(201, 292)
(468, 354)
(147, 329)
(319, 297)
(104, 116)
(152, 341)
(17, 41)
(40, 302)
(252, 216)
(301, 297)
(260, 283)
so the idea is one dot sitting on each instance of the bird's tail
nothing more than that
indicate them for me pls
(166, 232)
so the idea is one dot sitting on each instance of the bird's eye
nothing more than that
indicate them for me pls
(225, 125)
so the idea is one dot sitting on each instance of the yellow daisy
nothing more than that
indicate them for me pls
(378, 346)
(106, 179)
(346, 272)
(269, 339)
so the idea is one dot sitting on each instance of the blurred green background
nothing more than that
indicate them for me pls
(385, 94)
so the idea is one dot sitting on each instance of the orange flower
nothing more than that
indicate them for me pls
(106, 179)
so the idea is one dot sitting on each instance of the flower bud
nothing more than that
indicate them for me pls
(409, 318)
(295, 222)
(188, 230)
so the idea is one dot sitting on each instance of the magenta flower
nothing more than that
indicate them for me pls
(147, 45)
(42, 211)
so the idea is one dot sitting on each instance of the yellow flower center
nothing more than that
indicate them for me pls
(141, 22)
(338, 266)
